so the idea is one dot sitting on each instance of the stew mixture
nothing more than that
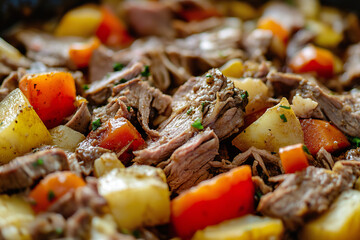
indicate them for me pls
(182, 119)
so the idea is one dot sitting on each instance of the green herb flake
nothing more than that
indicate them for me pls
(306, 149)
(128, 108)
(189, 111)
(282, 116)
(285, 107)
(1, 123)
(202, 106)
(244, 95)
(39, 162)
(118, 67)
(355, 141)
(59, 231)
(96, 124)
(146, 71)
(85, 87)
(197, 124)
(51, 195)
(209, 76)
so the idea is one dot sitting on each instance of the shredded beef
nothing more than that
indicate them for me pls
(147, 101)
(212, 100)
(47, 226)
(189, 164)
(23, 172)
(80, 120)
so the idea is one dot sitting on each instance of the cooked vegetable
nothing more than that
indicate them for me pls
(106, 163)
(111, 30)
(66, 138)
(198, 14)
(52, 187)
(276, 28)
(21, 129)
(341, 221)
(303, 107)
(233, 68)
(119, 133)
(313, 59)
(293, 158)
(271, 130)
(248, 227)
(81, 21)
(51, 94)
(9, 51)
(325, 35)
(223, 197)
(241, 10)
(136, 197)
(102, 227)
(258, 93)
(319, 133)
(80, 53)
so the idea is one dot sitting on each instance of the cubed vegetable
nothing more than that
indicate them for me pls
(135, 197)
(51, 94)
(14, 211)
(313, 59)
(223, 197)
(293, 158)
(21, 129)
(66, 138)
(233, 68)
(53, 187)
(248, 227)
(320, 133)
(80, 53)
(9, 51)
(81, 21)
(341, 221)
(106, 163)
(277, 127)
(325, 35)
(276, 28)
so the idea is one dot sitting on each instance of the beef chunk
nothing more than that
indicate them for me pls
(146, 100)
(351, 66)
(304, 194)
(211, 100)
(23, 172)
(100, 91)
(189, 164)
(257, 43)
(11, 83)
(80, 120)
(115, 108)
(47, 226)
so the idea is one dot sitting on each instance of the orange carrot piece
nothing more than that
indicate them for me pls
(276, 28)
(223, 197)
(80, 53)
(293, 158)
(319, 133)
(53, 187)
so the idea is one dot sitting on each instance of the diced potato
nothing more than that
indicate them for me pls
(14, 211)
(11, 232)
(341, 221)
(233, 68)
(136, 198)
(325, 35)
(9, 51)
(303, 107)
(248, 227)
(106, 163)
(257, 90)
(144, 170)
(66, 138)
(20, 127)
(82, 21)
(277, 127)
(103, 227)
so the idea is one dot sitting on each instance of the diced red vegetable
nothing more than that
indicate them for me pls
(223, 197)
(80, 53)
(319, 133)
(112, 30)
(277, 29)
(53, 187)
(313, 59)
(51, 94)
(198, 14)
(293, 158)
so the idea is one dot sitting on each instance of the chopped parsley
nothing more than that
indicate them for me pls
(209, 76)
(59, 231)
(355, 141)
(306, 149)
(146, 71)
(1, 123)
(85, 87)
(51, 195)
(244, 95)
(39, 162)
(118, 67)
(123, 80)
(128, 108)
(202, 106)
(197, 124)
(189, 111)
(96, 124)
(285, 107)
(282, 116)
